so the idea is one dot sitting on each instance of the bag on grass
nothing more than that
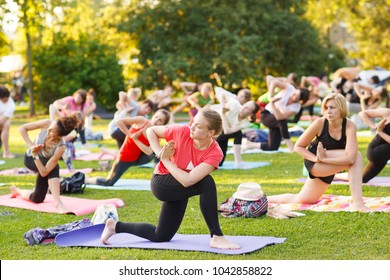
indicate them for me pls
(103, 212)
(73, 184)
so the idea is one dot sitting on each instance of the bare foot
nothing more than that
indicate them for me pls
(109, 230)
(8, 155)
(360, 207)
(220, 242)
(102, 153)
(62, 209)
(14, 191)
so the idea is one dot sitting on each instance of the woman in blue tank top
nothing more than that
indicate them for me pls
(334, 149)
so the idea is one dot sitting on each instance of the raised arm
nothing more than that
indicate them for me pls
(25, 128)
(193, 100)
(278, 114)
(273, 83)
(125, 122)
(188, 87)
(367, 116)
(154, 134)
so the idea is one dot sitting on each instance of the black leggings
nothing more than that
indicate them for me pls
(377, 155)
(299, 114)
(223, 140)
(120, 167)
(119, 137)
(42, 183)
(277, 129)
(174, 199)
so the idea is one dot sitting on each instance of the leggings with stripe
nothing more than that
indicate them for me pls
(174, 199)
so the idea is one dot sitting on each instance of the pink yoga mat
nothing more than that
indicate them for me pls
(25, 171)
(95, 156)
(376, 181)
(337, 203)
(77, 206)
(90, 237)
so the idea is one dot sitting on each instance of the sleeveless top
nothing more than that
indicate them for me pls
(41, 140)
(379, 140)
(130, 151)
(327, 141)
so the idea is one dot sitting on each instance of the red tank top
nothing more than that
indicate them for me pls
(129, 151)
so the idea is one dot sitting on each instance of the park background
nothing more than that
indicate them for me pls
(113, 45)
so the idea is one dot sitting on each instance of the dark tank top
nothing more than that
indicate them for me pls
(327, 141)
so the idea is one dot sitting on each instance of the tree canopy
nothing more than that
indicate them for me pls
(242, 41)
(367, 21)
(111, 45)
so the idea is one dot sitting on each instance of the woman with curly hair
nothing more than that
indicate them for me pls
(42, 156)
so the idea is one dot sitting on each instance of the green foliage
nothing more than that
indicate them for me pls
(367, 21)
(240, 40)
(4, 44)
(67, 65)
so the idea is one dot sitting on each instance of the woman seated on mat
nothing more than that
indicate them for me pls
(136, 149)
(186, 162)
(378, 151)
(335, 148)
(42, 157)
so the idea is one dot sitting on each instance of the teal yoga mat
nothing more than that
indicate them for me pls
(125, 184)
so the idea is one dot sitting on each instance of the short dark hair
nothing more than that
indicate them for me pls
(4, 92)
(375, 79)
(149, 103)
(304, 96)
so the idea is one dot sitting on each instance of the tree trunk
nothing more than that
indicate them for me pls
(29, 59)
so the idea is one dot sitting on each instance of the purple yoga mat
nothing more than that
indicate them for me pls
(90, 237)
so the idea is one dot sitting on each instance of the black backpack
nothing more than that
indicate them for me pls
(73, 184)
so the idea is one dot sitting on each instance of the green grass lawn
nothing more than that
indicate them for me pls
(317, 236)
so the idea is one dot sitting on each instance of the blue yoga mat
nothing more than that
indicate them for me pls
(125, 184)
(228, 165)
(90, 237)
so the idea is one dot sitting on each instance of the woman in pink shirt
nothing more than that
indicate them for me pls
(69, 104)
(186, 162)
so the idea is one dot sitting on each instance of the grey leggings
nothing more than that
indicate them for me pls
(174, 199)
(120, 167)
